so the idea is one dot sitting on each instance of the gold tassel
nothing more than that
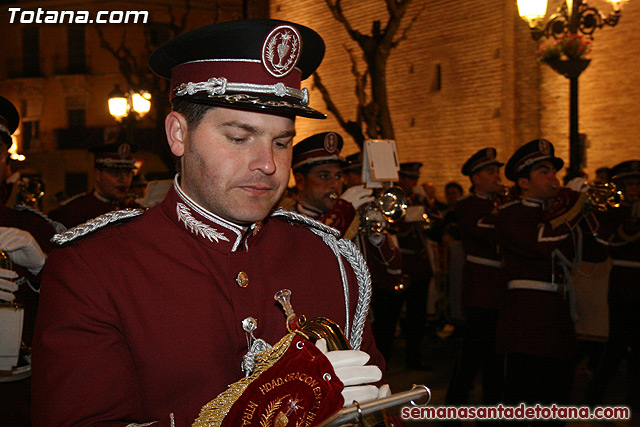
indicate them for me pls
(212, 414)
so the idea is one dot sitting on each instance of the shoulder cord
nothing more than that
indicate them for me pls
(347, 249)
(567, 265)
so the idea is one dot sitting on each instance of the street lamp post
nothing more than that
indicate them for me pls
(572, 20)
(128, 107)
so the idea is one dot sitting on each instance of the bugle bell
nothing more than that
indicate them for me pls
(388, 207)
(603, 195)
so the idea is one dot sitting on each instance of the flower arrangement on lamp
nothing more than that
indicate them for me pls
(569, 46)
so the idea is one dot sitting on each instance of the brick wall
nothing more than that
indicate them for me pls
(493, 91)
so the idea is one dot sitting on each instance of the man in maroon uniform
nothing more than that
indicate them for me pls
(23, 237)
(416, 263)
(317, 168)
(483, 284)
(319, 171)
(149, 320)
(536, 235)
(385, 263)
(113, 173)
(620, 231)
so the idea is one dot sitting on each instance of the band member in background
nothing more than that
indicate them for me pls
(620, 231)
(483, 284)
(385, 264)
(536, 235)
(416, 265)
(113, 173)
(317, 169)
(148, 320)
(24, 235)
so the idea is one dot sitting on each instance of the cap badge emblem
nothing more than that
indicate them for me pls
(490, 153)
(124, 150)
(544, 147)
(331, 142)
(281, 50)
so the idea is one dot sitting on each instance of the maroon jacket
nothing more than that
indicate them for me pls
(483, 283)
(83, 208)
(534, 322)
(621, 234)
(42, 231)
(144, 319)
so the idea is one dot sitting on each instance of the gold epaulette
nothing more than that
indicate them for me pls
(572, 213)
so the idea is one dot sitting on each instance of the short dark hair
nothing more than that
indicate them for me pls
(193, 112)
(5, 139)
(455, 185)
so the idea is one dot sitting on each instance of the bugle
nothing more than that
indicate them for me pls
(388, 207)
(602, 196)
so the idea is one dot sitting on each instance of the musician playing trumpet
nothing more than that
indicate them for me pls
(317, 168)
(620, 233)
(537, 235)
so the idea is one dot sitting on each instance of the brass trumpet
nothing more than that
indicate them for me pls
(312, 329)
(388, 207)
(603, 195)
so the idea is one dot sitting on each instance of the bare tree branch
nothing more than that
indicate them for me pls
(372, 112)
(404, 34)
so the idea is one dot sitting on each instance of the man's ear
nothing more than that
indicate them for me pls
(523, 183)
(299, 180)
(176, 128)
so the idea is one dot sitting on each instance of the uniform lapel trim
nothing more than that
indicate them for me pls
(200, 228)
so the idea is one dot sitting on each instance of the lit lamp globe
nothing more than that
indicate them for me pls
(118, 105)
(141, 103)
(532, 10)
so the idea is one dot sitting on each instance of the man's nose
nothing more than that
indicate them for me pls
(263, 160)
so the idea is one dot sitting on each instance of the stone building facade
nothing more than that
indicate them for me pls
(490, 91)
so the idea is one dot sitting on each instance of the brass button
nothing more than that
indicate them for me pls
(242, 279)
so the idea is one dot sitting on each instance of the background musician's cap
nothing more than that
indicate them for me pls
(481, 159)
(529, 154)
(252, 64)
(628, 169)
(114, 156)
(410, 169)
(354, 162)
(317, 149)
(9, 117)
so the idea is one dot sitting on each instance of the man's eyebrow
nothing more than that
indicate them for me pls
(244, 126)
(256, 130)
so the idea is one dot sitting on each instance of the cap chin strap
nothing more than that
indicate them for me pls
(220, 86)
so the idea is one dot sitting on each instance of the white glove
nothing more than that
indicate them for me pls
(349, 367)
(22, 248)
(577, 184)
(358, 195)
(7, 287)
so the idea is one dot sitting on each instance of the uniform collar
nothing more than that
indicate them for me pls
(483, 196)
(309, 211)
(206, 226)
(98, 195)
(532, 203)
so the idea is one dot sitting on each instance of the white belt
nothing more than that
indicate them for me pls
(484, 261)
(533, 285)
(625, 263)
